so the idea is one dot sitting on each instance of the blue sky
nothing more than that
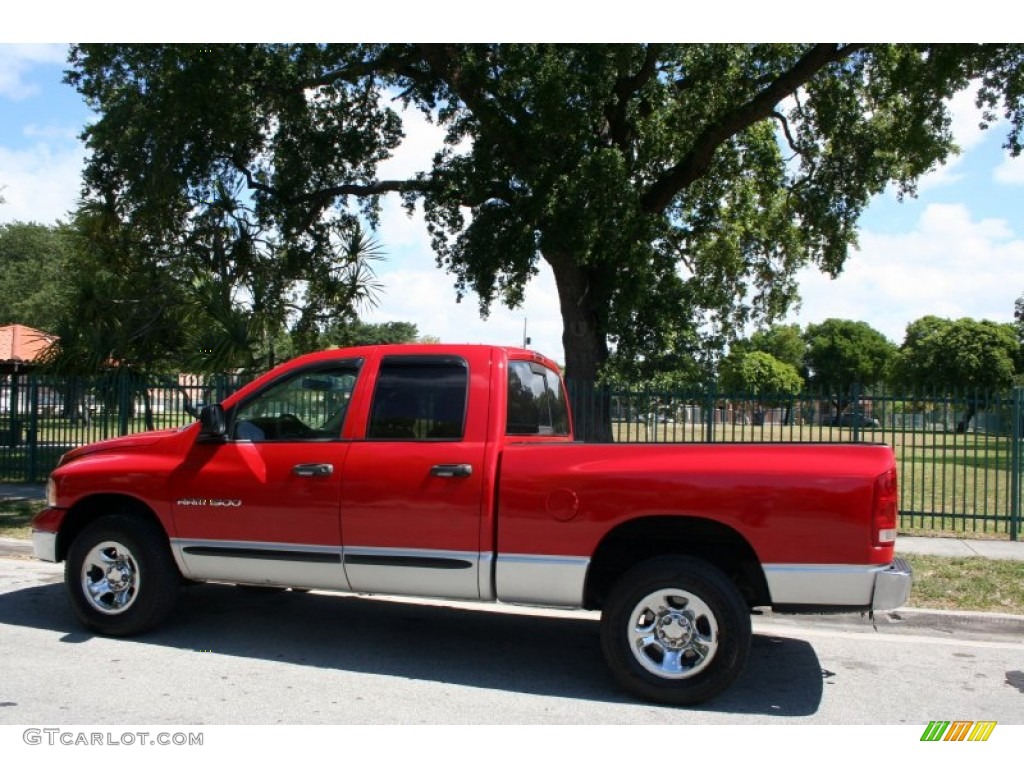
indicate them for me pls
(957, 250)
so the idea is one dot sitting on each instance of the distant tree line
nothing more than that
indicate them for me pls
(138, 317)
(938, 355)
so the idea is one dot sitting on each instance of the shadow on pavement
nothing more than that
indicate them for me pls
(540, 655)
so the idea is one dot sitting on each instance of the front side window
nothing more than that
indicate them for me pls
(419, 398)
(310, 405)
(536, 401)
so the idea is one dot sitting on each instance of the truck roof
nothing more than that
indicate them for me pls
(513, 353)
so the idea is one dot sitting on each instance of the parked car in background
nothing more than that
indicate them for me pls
(855, 420)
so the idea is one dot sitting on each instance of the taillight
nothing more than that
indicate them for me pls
(885, 509)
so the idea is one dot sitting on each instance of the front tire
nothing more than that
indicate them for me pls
(120, 576)
(675, 631)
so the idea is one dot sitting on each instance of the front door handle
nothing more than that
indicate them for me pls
(313, 470)
(451, 470)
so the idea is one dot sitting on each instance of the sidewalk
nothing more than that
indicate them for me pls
(905, 545)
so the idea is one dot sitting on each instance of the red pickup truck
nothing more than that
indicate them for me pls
(450, 471)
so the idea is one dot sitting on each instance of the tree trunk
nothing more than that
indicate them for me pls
(148, 408)
(586, 349)
(965, 422)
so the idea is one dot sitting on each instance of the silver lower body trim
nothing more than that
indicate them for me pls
(416, 572)
(255, 562)
(532, 579)
(793, 584)
(44, 545)
(541, 579)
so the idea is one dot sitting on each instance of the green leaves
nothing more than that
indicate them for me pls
(962, 355)
(758, 374)
(675, 190)
(844, 352)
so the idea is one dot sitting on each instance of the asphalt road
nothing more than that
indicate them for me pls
(228, 656)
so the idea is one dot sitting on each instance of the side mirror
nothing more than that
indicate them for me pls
(212, 422)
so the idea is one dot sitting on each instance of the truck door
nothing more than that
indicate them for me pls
(261, 507)
(412, 491)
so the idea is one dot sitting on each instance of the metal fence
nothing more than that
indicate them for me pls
(959, 455)
(42, 417)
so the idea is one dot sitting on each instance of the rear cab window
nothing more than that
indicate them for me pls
(419, 397)
(536, 402)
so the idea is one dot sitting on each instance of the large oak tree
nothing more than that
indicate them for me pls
(674, 190)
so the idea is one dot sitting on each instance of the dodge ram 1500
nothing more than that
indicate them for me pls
(450, 471)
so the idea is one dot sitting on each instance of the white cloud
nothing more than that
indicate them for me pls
(416, 152)
(17, 60)
(1010, 171)
(966, 118)
(416, 290)
(51, 132)
(950, 265)
(40, 183)
(423, 294)
(965, 121)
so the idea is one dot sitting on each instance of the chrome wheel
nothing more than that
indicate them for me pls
(675, 630)
(120, 574)
(673, 634)
(110, 577)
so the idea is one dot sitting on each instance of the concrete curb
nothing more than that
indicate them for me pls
(914, 621)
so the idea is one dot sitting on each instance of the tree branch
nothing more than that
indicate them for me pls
(785, 130)
(625, 89)
(324, 196)
(762, 105)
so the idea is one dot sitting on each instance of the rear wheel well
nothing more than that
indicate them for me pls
(92, 508)
(634, 542)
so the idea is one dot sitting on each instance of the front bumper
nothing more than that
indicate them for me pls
(892, 586)
(45, 527)
(44, 545)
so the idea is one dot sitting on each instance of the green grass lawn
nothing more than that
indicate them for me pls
(15, 517)
(967, 584)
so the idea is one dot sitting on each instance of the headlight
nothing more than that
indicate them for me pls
(51, 493)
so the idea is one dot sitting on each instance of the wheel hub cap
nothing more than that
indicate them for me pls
(110, 577)
(673, 634)
(674, 630)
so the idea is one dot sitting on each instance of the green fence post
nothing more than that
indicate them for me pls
(1018, 411)
(855, 394)
(123, 405)
(32, 438)
(711, 413)
(15, 434)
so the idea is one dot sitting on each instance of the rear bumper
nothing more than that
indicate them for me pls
(817, 588)
(892, 586)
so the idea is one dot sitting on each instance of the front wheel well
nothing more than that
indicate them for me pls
(636, 541)
(91, 508)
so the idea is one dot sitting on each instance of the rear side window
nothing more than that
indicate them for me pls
(536, 402)
(419, 398)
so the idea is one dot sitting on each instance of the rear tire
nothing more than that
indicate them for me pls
(675, 631)
(120, 575)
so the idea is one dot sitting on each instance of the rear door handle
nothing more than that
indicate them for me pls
(451, 470)
(313, 470)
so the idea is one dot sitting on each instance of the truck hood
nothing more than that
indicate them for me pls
(126, 443)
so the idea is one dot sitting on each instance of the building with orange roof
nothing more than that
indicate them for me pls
(21, 347)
